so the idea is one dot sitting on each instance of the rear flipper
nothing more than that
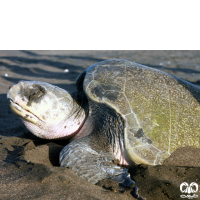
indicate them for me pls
(92, 165)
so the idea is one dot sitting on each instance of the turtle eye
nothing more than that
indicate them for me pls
(35, 93)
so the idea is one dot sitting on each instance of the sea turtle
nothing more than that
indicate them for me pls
(121, 111)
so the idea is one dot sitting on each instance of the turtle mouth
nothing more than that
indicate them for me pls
(23, 113)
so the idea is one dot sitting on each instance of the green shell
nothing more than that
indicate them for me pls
(161, 112)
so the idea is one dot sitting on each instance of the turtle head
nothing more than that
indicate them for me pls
(44, 108)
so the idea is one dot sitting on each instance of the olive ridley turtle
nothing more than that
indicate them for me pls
(121, 111)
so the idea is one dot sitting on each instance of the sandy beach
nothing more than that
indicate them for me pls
(29, 166)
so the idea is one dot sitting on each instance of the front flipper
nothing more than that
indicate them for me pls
(93, 165)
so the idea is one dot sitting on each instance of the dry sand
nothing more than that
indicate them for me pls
(29, 166)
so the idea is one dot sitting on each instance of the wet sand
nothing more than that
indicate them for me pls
(29, 167)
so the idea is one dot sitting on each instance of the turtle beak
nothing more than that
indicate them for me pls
(13, 96)
(13, 92)
(18, 102)
(17, 94)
